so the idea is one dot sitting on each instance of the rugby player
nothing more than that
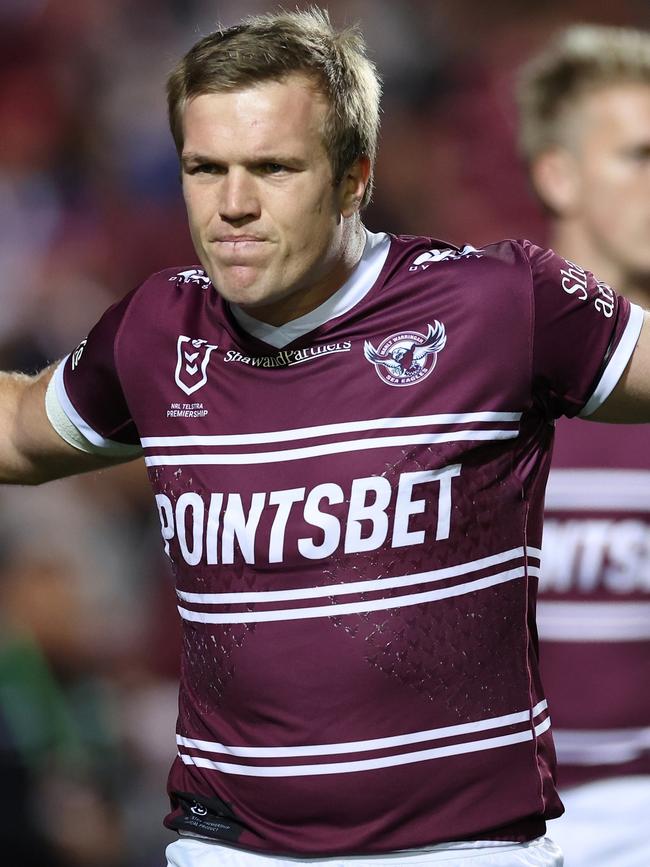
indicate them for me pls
(585, 134)
(348, 436)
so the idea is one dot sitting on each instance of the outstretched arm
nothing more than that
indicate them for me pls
(31, 451)
(629, 402)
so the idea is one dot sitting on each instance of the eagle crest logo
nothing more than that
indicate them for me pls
(407, 357)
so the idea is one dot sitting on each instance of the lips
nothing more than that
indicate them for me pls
(236, 239)
(238, 249)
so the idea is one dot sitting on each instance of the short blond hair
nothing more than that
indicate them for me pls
(273, 46)
(580, 59)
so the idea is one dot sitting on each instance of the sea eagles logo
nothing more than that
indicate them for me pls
(193, 275)
(407, 357)
(192, 362)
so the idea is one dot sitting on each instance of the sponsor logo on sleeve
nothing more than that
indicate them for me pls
(192, 359)
(76, 355)
(408, 356)
(575, 281)
(606, 302)
(431, 257)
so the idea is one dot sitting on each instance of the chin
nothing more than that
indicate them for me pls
(239, 284)
(245, 296)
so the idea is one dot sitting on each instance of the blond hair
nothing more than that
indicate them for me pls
(580, 59)
(273, 46)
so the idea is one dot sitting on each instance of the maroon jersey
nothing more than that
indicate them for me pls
(355, 518)
(594, 610)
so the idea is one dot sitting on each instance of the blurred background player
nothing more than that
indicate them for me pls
(584, 130)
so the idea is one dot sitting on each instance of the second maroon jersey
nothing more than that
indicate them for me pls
(355, 520)
(594, 609)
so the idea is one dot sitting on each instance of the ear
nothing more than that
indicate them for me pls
(353, 186)
(556, 177)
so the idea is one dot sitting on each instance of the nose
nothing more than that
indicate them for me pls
(238, 199)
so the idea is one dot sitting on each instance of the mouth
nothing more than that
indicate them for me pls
(238, 249)
(236, 239)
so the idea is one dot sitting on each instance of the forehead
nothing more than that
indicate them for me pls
(271, 115)
(614, 112)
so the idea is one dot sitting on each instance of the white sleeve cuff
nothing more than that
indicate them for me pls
(617, 363)
(70, 426)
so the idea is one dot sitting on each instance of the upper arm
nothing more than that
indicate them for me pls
(31, 450)
(629, 401)
(583, 335)
(72, 417)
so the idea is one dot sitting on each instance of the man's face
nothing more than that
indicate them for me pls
(264, 214)
(610, 133)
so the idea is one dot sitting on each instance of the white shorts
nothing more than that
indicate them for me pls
(605, 824)
(190, 852)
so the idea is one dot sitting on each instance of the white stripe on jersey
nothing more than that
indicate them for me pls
(357, 586)
(251, 458)
(358, 607)
(364, 746)
(337, 610)
(617, 363)
(291, 435)
(70, 426)
(598, 490)
(593, 621)
(319, 769)
(601, 746)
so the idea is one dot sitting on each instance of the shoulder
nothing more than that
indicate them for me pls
(163, 303)
(422, 253)
(165, 293)
(482, 273)
(186, 277)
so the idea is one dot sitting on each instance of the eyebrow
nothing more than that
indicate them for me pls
(195, 158)
(192, 157)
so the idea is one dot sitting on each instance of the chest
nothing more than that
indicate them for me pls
(427, 356)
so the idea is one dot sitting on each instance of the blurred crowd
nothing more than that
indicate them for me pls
(89, 205)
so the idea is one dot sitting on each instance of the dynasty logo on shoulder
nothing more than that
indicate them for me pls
(192, 275)
(444, 254)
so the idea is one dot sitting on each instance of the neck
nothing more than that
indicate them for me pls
(571, 242)
(335, 270)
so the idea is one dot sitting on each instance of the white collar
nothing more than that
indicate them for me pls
(356, 287)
